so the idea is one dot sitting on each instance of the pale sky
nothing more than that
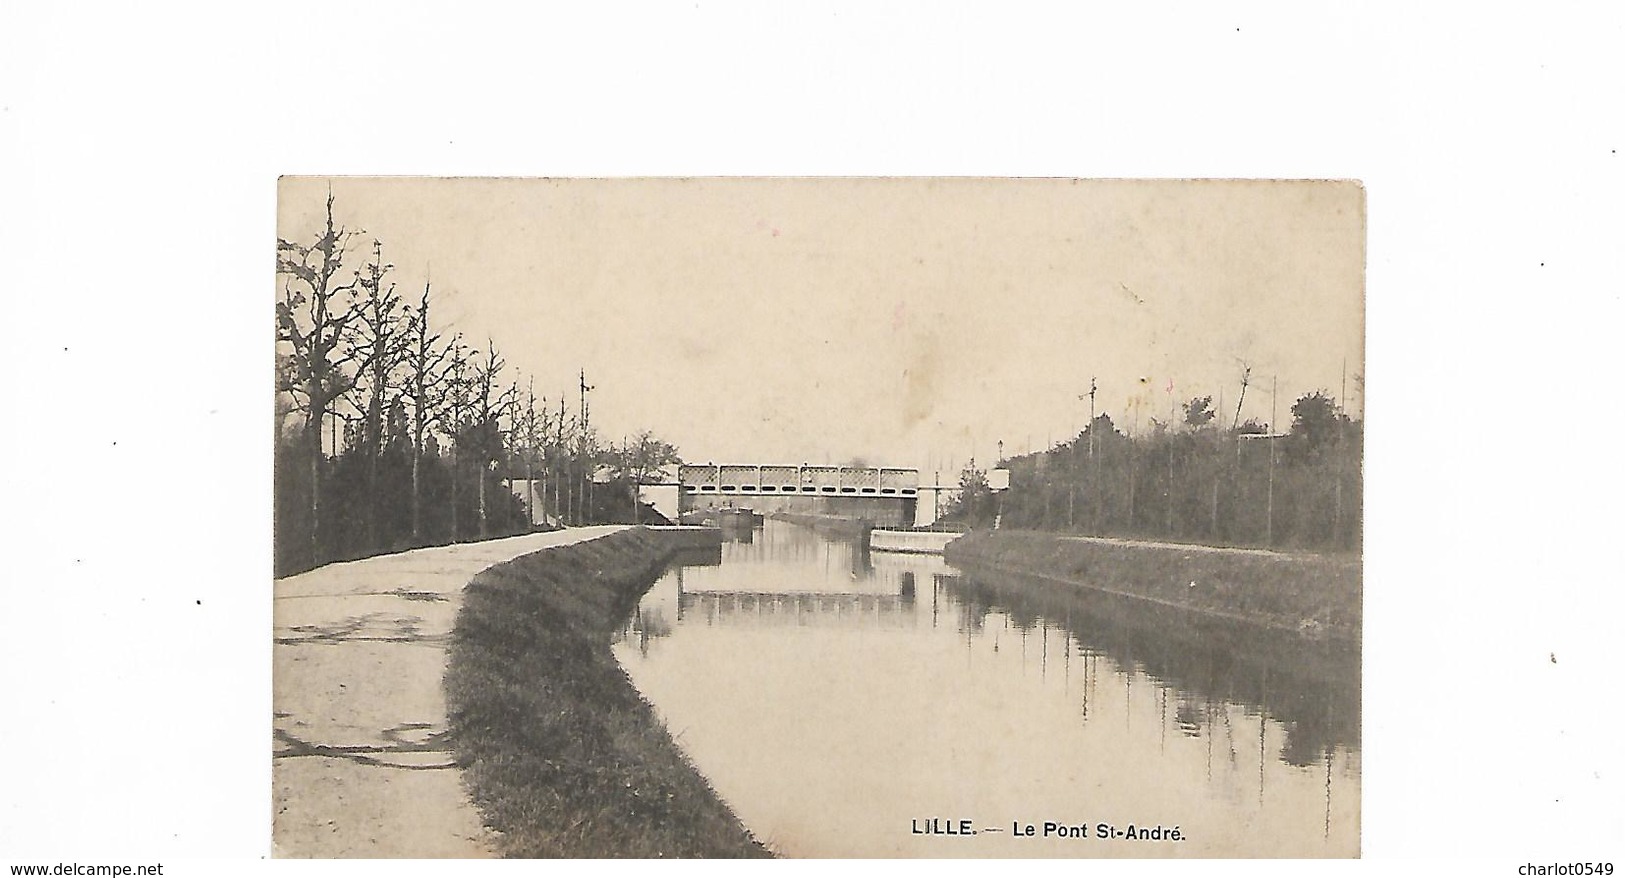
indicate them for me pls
(910, 322)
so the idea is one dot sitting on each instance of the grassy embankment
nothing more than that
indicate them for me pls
(561, 753)
(1316, 595)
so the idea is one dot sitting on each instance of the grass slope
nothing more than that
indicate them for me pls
(1312, 594)
(561, 753)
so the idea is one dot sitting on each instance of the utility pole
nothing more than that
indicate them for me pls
(560, 498)
(636, 478)
(1131, 443)
(1269, 519)
(1245, 373)
(584, 389)
(1094, 465)
(1091, 428)
(583, 509)
(539, 430)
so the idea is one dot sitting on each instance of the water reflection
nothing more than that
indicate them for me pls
(696, 556)
(1313, 687)
(797, 608)
(832, 696)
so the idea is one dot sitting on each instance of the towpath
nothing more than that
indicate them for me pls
(1182, 547)
(360, 762)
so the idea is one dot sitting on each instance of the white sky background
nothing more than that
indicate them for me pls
(139, 151)
(906, 322)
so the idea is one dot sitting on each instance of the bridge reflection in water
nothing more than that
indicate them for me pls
(856, 587)
(800, 608)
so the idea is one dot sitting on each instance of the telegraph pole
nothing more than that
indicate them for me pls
(1091, 428)
(585, 491)
(584, 389)
(561, 497)
(1245, 373)
(1269, 520)
(530, 453)
(1094, 465)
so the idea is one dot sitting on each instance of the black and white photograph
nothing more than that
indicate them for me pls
(1108, 438)
(878, 517)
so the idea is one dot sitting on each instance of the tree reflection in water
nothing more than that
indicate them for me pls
(1312, 688)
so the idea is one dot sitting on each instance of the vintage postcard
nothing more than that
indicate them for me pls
(785, 517)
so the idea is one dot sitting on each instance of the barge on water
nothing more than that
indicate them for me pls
(726, 517)
(919, 542)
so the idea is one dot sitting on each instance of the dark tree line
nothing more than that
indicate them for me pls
(392, 435)
(1197, 482)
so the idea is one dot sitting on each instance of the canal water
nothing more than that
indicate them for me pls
(849, 703)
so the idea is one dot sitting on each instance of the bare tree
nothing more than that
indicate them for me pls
(312, 319)
(425, 360)
(528, 435)
(513, 434)
(535, 440)
(488, 405)
(561, 458)
(377, 341)
(586, 449)
(458, 397)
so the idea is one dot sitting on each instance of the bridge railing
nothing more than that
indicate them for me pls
(739, 479)
(783, 480)
(900, 480)
(690, 476)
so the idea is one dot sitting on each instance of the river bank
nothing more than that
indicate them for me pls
(362, 763)
(1316, 596)
(562, 755)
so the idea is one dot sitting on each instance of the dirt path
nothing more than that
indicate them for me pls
(1182, 547)
(360, 766)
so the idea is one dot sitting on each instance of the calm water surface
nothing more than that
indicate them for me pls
(839, 699)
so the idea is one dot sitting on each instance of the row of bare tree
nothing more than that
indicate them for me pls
(392, 434)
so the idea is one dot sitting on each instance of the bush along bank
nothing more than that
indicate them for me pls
(1314, 595)
(561, 754)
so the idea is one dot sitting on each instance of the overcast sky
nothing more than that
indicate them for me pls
(909, 322)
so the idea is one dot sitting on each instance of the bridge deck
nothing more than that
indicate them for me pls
(784, 480)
